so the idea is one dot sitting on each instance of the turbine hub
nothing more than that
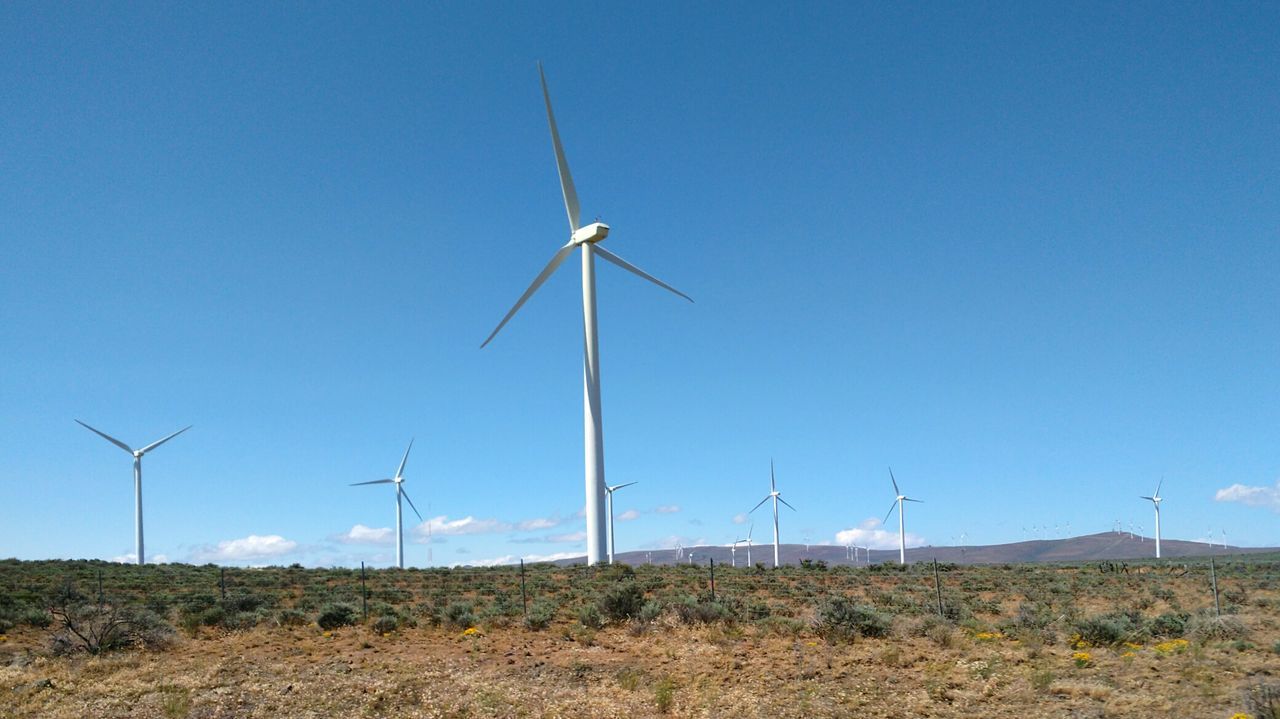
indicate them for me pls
(592, 233)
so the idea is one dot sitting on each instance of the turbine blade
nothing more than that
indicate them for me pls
(780, 499)
(616, 487)
(773, 484)
(556, 260)
(891, 508)
(1150, 498)
(376, 481)
(766, 499)
(632, 268)
(107, 437)
(159, 442)
(896, 491)
(1158, 486)
(917, 501)
(400, 469)
(562, 165)
(410, 501)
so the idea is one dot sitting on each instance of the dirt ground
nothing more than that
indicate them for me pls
(671, 669)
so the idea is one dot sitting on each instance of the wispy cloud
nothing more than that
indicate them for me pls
(131, 558)
(563, 538)
(444, 527)
(870, 533)
(1268, 497)
(532, 525)
(628, 515)
(740, 518)
(512, 559)
(361, 534)
(247, 548)
(668, 509)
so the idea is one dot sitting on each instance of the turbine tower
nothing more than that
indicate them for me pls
(902, 524)
(137, 479)
(776, 496)
(586, 238)
(1155, 500)
(609, 501)
(750, 528)
(398, 481)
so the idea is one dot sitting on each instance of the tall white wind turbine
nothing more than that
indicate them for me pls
(398, 481)
(609, 500)
(137, 479)
(902, 524)
(1155, 500)
(586, 238)
(776, 496)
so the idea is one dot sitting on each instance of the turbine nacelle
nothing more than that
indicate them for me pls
(590, 234)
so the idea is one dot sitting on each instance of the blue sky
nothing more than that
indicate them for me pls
(1024, 254)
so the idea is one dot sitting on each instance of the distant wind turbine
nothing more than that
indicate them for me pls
(902, 525)
(398, 481)
(776, 496)
(609, 501)
(586, 238)
(1155, 500)
(750, 528)
(137, 479)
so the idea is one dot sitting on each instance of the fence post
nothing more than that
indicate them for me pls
(524, 598)
(101, 598)
(937, 585)
(364, 596)
(1213, 579)
(222, 582)
(713, 579)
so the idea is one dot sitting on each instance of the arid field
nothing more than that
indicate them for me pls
(1082, 640)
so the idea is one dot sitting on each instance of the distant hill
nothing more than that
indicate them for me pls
(1091, 547)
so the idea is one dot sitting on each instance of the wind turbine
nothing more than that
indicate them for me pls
(587, 238)
(776, 496)
(750, 528)
(609, 500)
(897, 503)
(398, 481)
(1155, 500)
(137, 478)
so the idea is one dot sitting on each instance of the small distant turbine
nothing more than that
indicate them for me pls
(398, 481)
(776, 496)
(902, 525)
(137, 479)
(750, 528)
(608, 498)
(1155, 500)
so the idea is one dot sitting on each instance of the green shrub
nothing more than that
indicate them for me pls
(700, 610)
(292, 618)
(840, 618)
(460, 615)
(650, 612)
(590, 617)
(1263, 700)
(541, 614)
(1168, 626)
(336, 614)
(621, 602)
(1106, 630)
(385, 624)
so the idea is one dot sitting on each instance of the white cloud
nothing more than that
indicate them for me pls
(512, 559)
(628, 515)
(443, 526)
(740, 518)
(668, 509)
(132, 558)
(361, 534)
(580, 536)
(250, 547)
(530, 525)
(1268, 497)
(870, 533)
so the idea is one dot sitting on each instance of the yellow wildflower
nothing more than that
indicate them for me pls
(470, 631)
(1240, 715)
(1082, 659)
(986, 636)
(1173, 646)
